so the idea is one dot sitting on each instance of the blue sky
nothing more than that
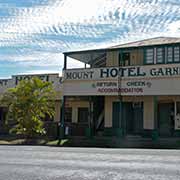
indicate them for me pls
(34, 33)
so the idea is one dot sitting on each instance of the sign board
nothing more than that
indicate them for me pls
(10, 83)
(148, 71)
(136, 80)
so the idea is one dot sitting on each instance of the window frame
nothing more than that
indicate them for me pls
(167, 62)
(66, 112)
(122, 62)
(145, 56)
(163, 55)
(174, 53)
(83, 122)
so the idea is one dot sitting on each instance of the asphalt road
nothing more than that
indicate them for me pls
(51, 163)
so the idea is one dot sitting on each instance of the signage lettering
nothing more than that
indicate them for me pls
(10, 83)
(122, 72)
(136, 83)
(27, 77)
(165, 71)
(120, 90)
(79, 75)
(107, 84)
(129, 87)
(115, 72)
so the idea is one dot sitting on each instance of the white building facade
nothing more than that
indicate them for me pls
(129, 89)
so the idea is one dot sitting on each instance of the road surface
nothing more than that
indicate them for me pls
(53, 163)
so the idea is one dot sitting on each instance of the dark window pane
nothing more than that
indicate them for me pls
(83, 115)
(124, 59)
(177, 107)
(68, 114)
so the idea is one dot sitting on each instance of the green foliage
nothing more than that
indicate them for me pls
(28, 103)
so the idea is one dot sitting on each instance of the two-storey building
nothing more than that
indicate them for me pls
(128, 89)
(55, 79)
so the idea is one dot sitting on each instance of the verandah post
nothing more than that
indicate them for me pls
(155, 131)
(62, 116)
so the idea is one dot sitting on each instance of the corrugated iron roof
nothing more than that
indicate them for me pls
(148, 42)
(86, 55)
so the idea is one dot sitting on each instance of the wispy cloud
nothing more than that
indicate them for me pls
(36, 32)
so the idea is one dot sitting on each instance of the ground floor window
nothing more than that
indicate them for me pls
(83, 113)
(177, 116)
(68, 114)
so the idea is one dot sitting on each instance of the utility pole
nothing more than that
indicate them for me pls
(121, 124)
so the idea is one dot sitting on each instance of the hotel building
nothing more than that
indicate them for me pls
(128, 89)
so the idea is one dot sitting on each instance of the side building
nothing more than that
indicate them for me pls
(128, 89)
(51, 125)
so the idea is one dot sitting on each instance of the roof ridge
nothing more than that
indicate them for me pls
(138, 41)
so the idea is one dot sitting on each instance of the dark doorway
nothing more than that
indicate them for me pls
(134, 117)
(116, 120)
(3, 127)
(98, 113)
(124, 59)
(1, 114)
(131, 118)
(83, 114)
(166, 119)
(128, 118)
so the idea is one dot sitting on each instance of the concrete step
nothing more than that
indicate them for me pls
(127, 142)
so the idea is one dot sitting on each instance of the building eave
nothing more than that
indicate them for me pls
(85, 55)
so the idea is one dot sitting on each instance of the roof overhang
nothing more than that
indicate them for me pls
(86, 56)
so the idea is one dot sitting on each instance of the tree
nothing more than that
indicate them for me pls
(28, 103)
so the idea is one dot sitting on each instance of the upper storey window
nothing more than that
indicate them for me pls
(149, 56)
(159, 55)
(176, 54)
(170, 54)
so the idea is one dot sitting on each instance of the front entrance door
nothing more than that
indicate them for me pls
(134, 117)
(128, 118)
(116, 115)
(165, 119)
(138, 117)
(131, 118)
